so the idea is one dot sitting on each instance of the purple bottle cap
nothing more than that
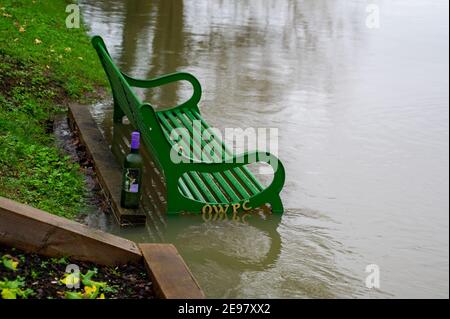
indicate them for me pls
(135, 140)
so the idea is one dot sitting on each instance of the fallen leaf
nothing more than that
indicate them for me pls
(8, 294)
(90, 290)
(73, 295)
(71, 279)
(9, 262)
(37, 41)
(21, 29)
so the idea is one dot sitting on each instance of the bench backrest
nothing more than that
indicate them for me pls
(141, 116)
(122, 94)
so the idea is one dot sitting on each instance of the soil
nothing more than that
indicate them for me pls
(69, 142)
(43, 275)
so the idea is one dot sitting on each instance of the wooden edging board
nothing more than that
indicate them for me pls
(169, 272)
(34, 230)
(108, 171)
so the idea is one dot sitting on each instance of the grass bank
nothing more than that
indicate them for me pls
(43, 66)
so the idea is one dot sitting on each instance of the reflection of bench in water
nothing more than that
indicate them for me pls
(193, 184)
(251, 246)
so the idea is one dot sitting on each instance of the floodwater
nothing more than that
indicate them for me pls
(363, 118)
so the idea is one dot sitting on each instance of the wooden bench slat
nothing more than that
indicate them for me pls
(192, 180)
(236, 176)
(228, 152)
(195, 182)
(222, 178)
(197, 194)
(243, 180)
(184, 189)
(256, 186)
(185, 178)
(225, 192)
(225, 179)
(219, 195)
(242, 173)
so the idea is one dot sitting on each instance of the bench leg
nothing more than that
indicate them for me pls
(118, 113)
(277, 205)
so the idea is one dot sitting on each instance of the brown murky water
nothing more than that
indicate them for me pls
(363, 122)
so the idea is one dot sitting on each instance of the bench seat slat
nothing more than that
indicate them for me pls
(184, 189)
(250, 182)
(197, 194)
(225, 179)
(192, 180)
(202, 180)
(244, 169)
(216, 191)
(236, 184)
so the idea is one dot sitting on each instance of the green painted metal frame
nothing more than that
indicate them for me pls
(192, 185)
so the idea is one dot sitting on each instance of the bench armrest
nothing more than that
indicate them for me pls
(239, 161)
(170, 78)
(106, 59)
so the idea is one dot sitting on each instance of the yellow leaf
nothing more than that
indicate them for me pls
(37, 41)
(90, 290)
(21, 29)
(102, 296)
(68, 49)
(8, 294)
(70, 279)
(9, 262)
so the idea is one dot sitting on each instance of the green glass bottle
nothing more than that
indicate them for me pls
(132, 175)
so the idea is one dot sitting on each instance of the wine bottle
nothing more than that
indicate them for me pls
(132, 175)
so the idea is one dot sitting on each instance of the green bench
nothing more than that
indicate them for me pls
(219, 183)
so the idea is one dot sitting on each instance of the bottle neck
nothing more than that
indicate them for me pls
(134, 150)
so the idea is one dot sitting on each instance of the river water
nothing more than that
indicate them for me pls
(362, 110)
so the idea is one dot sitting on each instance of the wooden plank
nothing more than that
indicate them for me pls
(109, 172)
(170, 275)
(34, 230)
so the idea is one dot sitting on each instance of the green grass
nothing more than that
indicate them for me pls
(43, 66)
